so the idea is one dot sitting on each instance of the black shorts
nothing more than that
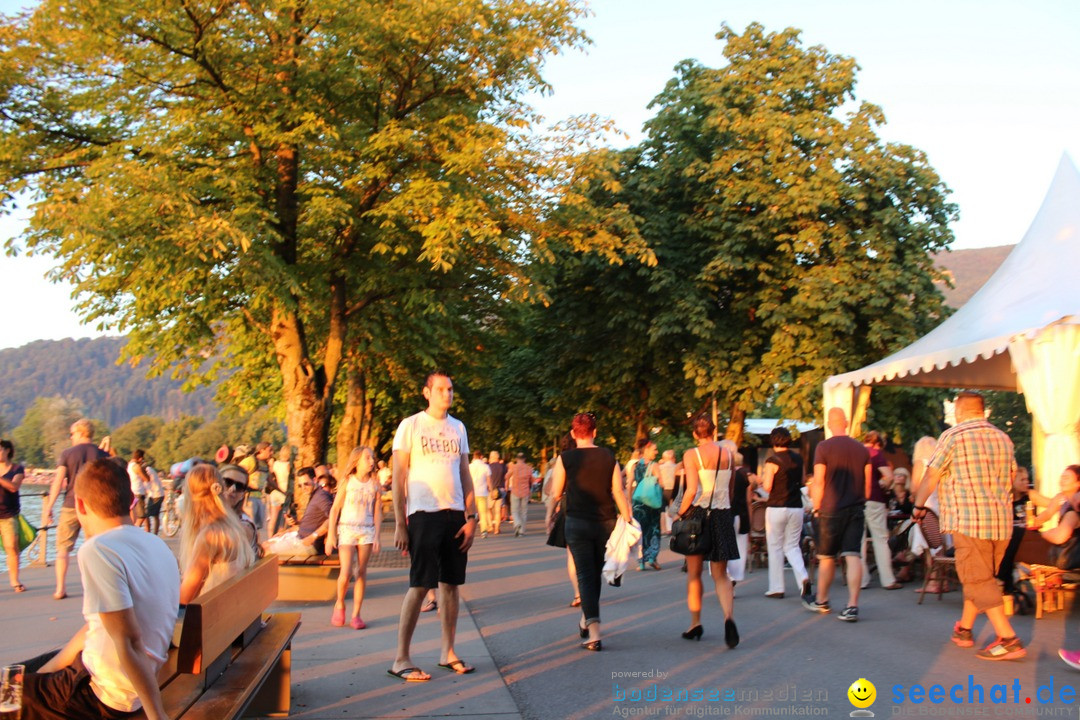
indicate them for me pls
(64, 695)
(841, 533)
(434, 551)
(153, 506)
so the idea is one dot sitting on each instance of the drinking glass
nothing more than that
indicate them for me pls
(11, 682)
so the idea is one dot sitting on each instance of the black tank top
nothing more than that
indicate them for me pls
(588, 483)
(788, 480)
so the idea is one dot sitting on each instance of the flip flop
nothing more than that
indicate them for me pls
(405, 673)
(429, 606)
(19, 588)
(457, 666)
(576, 602)
(60, 596)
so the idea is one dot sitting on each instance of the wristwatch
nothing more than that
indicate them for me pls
(472, 517)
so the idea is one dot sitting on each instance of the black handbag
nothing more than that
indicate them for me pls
(690, 533)
(557, 536)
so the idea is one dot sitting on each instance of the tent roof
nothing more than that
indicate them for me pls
(1037, 285)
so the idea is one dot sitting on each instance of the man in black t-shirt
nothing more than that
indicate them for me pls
(497, 492)
(841, 486)
(81, 452)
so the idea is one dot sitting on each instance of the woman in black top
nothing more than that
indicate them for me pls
(594, 499)
(782, 478)
(11, 478)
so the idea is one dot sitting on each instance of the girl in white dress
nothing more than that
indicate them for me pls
(354, 529)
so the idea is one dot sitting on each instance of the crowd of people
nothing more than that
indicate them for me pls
(965, 484)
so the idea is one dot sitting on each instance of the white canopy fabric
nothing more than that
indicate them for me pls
(1036, 291)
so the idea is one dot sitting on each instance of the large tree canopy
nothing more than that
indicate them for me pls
(789, 240)
(241, 183)
(792, 240)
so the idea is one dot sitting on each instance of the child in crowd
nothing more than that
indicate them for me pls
(355, 520)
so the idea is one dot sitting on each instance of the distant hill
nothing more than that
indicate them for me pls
(86, 370)
(969, 271)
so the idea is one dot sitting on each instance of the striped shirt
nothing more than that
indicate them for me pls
(976, 465)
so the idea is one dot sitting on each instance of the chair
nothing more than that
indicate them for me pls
(938, 567)
(759, 549)
(1049, 584)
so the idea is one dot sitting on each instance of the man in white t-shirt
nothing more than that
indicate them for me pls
(434, 518)
(131, 592)
(481, 476)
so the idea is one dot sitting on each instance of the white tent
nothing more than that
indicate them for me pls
(1020, 332)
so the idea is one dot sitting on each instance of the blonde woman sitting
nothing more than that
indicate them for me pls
(213, 547)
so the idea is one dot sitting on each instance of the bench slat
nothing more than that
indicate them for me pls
(232, 694)
(214, 620)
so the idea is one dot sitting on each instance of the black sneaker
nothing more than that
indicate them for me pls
(814, 606)
(849, 614)
(806, 591)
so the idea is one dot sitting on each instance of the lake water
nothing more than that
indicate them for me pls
(30, 500)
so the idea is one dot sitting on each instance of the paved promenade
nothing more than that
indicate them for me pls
(517, 628)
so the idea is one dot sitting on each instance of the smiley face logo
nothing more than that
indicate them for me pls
(862, 693)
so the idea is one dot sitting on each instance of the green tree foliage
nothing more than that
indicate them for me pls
(139, 432)
(242, 186)
(45, 430)
(87, 370)
(172, 442)
(1008, 410)
(792, 242)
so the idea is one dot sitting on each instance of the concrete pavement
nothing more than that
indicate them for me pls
(517, 628)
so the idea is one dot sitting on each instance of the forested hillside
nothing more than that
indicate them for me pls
(86, 371)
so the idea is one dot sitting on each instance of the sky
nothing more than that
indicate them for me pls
(990, 90)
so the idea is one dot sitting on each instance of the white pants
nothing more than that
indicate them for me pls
(783, 530)
(736, 569)
(519, 508)
(289, 543)
(877, 525)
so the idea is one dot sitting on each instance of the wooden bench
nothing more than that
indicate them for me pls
(307, 578)
(232, 660)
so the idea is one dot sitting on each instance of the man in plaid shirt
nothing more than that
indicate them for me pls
(973, 467)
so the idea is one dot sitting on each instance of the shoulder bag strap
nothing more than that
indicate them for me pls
(716, 472)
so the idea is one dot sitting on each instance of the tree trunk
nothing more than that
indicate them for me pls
(306, 389)
(354, 417)
(735, 425)
(641, 429)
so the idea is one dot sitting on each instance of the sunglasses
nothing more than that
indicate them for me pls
(236, 486)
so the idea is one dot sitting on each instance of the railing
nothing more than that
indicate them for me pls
(37, 552)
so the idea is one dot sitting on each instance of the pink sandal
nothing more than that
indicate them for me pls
(338, 618)
(357, 623)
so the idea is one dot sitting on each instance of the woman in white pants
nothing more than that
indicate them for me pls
(782, 478)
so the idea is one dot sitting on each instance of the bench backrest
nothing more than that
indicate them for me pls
(216, 619)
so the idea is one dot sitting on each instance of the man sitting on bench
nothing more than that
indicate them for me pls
(131, 589)
(309, 537)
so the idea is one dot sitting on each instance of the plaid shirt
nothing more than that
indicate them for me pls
(976, 465)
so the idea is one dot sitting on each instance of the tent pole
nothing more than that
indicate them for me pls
(862, 404)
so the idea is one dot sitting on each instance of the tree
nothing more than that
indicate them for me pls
(139, 432)
(169, 447)
(241, 186)
(791, 241)
(44, 431)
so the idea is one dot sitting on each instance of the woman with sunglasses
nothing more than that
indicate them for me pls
(212, 543)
